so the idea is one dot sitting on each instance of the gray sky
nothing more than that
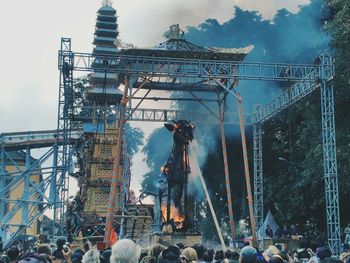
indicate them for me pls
(30, 37)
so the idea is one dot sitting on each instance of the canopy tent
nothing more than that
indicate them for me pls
(269, 220)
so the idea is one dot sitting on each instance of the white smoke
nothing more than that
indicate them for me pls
(196, 152)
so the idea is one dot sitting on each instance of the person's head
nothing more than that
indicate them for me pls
(44, 249)
(323, 252)
(60, 242)
(156, 250)
(219, 256)
(199, 250)
(77, 256)
(92, 256)
(269, 252)
(169, 255)
(248, 255)
(233, 255)
(125, 251)
(208, 257)
(180, 245)
(35, 258)
(276, 259)
(344, 256)
(188, 255)
(87, 246)
(106, 255)
(13, 253)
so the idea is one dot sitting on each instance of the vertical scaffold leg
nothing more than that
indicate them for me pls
(330, 167)
(25, 206)
(258, 176)
(65, 109)
(2, 184)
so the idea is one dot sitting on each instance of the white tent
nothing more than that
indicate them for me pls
(269, 220)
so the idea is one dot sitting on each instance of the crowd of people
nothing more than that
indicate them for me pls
(127, 251)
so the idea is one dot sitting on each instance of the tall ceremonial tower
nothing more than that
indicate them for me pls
(101, 101)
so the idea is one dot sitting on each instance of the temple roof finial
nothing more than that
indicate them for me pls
(106, 3)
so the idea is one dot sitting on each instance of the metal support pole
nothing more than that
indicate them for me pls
(25, 205)
(116, 166)
(258, 177)
(330, 167)
(227, 173)
(246, 167)
(2, 184)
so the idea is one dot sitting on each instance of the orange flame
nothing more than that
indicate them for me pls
(174, 214)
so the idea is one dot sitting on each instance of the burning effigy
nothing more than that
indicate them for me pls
(176, 202)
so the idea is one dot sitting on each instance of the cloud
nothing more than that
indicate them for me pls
(153, 17)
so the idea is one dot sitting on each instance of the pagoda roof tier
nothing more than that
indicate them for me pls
(107, 10)
(104, 41)
(102, 18)
(106, 32)
(106, 25)
(99, 50)
(109, 19)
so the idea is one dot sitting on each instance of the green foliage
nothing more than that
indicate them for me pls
(134, 138)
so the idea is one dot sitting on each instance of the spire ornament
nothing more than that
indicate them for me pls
(106, 3)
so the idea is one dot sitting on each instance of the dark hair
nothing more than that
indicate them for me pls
(323, 252)
(44, 249)
(171, 254)
(58, 254)
(180, 245)
(106, 255)
(34, 258)
(12, 253)
(219, 256)
(156, 250)
(200, 250)
(208, 257)
(229, 254)
(60, 242)
(276, 259)
(86, 246)
(249, 259)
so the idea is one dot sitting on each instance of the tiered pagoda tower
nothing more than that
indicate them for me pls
(104, 96)
(101, 100)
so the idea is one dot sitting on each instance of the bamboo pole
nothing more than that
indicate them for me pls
(246, 167)
(116, 166)
(216, 223)
(227, 174)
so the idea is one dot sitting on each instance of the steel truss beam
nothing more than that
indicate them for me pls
(194, 68)
(64, 124)
(32, 201)
(330, 167)
(286, 99)
(258, 178)
(164, 115)
(34, 139)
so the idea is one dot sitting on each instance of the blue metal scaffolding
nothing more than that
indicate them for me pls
(306, 78)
